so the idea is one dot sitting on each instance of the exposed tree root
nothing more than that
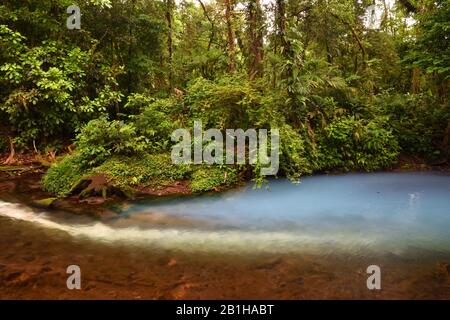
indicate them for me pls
(10, 160)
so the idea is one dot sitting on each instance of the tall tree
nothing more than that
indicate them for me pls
(211, 21)
(255, 34)
(231, 37)
(282, 39)
(169, 17)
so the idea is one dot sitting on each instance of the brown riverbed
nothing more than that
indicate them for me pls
(33, 262)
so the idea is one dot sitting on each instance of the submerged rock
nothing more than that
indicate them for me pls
(45, 203)
(94, 200)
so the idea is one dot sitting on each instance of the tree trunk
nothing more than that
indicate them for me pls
(169, 12)
(284, 43)
(213, 27)
(281, 21)
(130, 46)
(356, 37)
(256, 39)
(231, 39)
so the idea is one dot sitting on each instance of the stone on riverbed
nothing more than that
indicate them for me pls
(45, 203)
(94, 200)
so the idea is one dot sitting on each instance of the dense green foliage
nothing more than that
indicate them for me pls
(419, 129)
(345, 94)
(149, 171)
(352, 144)
(210, 178)
(101, 138)
(432, 49)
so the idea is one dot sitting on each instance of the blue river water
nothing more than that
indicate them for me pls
(398, 214)
(387, 211)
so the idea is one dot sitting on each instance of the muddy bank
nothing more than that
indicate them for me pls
(24, 186)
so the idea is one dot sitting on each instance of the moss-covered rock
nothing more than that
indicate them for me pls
(125, 175)
(119, 174)
(143, 170)
(45, 203)
(63, 175)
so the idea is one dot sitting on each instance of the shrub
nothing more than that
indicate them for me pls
(418, 122)
(293, 160)
(222, 104)
(156, 125)
(47, 91)
(207, 178)
(101, 138)
(352, 144)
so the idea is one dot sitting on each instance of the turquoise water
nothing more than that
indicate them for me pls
(361, 214)
(391, 211)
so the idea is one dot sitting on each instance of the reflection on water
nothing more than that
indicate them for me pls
(360, 214)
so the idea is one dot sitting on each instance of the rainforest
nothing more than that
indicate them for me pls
(353, 99)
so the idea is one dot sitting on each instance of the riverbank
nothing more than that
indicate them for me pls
(25, 177)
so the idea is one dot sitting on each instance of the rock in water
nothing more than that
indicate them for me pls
(45, 203)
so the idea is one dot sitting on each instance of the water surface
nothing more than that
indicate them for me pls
(359, 214)
(308, 241)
